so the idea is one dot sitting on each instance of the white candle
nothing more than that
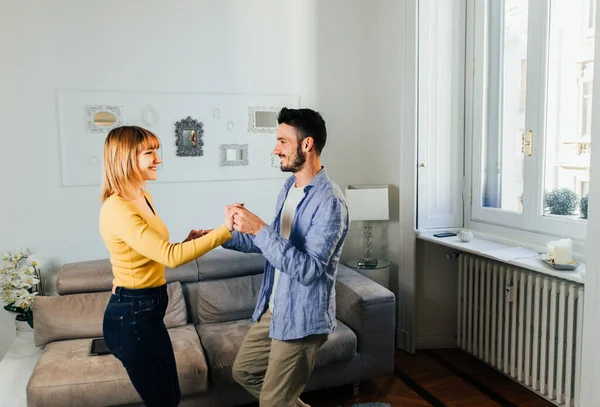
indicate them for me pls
(562, 251)
(550, 248)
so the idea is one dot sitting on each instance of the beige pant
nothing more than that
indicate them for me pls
(274, 371)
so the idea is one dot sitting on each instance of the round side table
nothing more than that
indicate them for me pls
(379, 273)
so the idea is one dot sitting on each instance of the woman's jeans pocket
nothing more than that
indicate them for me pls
(144, 304)
(114, 325)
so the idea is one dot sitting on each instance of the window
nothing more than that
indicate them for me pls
(506, 100)
(589, 18)
(586, 80)
(531, 113)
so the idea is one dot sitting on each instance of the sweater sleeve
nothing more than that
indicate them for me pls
(131, 227)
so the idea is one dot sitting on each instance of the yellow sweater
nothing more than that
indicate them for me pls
(139, 245)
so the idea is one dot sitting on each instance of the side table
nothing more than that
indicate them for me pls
(379, 273)
(15, 371)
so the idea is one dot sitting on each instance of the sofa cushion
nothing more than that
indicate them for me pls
(218, 264)
(96, 275)
(66, 375)
(227, 299)
(221, 342)
(80, 315)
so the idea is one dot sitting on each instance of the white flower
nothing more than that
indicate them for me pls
(19, 274)
(34, 261)
(15, 255)
(26, 271)
(5, 264)
(24, 299)
(26, 279)
(4, 281)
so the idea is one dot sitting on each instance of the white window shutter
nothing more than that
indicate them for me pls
(441, 113)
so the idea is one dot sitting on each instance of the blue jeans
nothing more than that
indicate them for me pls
(135, 333)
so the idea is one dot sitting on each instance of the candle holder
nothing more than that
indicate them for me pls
(563, 267)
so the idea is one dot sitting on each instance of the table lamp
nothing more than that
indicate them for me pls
(367, 203)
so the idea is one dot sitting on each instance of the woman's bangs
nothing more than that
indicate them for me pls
(150, 141)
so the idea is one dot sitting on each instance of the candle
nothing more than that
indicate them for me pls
(550, 248)
(562, 251)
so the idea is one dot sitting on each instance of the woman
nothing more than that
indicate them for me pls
(138, 242)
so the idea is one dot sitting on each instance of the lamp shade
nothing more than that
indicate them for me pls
(367, 202)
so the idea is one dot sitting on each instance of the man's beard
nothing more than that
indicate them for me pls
(298, 163)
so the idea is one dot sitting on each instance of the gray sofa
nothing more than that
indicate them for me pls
(210, 304)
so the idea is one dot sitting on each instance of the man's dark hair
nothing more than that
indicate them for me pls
(307, 123)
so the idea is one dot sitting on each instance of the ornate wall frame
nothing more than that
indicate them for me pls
(92, 110)
(150, 116)
(275, 161)
(226, 160)
(254, 124)
(188, 137)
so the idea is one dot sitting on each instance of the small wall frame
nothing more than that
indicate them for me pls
(103, 118)
(150, 116)
(234, 155)
(188, 137)
(275, 161)
(262, 119)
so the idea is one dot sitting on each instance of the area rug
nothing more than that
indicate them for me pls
(371, 405)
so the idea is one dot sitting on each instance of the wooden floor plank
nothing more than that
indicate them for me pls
(451, 376)
(501, 384)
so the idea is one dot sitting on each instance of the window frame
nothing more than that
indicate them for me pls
(530, 222)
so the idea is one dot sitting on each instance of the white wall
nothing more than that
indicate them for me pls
(312, 48)
(389, 142)
(590, 369)
(341, 42)
(590, 373)
(382, 89)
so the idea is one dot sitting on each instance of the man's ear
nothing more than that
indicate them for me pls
(307, 144)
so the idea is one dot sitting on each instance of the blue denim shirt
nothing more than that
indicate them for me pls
(305, 296)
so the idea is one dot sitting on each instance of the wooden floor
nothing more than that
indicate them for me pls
(447, 377)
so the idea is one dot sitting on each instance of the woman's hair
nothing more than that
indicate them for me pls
(121, 174)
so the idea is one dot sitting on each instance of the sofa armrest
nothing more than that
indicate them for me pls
(370, 311)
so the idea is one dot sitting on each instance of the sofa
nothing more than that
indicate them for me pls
(211, 301)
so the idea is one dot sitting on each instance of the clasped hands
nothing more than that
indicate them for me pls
(236, 218)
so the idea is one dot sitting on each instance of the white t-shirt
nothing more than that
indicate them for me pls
(294, 197)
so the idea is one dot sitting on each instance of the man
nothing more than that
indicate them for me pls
(295, 311)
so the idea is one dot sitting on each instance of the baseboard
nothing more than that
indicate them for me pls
(404, 341)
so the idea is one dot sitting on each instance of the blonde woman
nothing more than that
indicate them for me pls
(138, 242)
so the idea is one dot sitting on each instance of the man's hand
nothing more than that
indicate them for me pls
(195, 234)
(230, 210)
(246, 222)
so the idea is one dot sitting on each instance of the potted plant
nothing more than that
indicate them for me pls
(19, 283)
(561, 201)
(583, 206)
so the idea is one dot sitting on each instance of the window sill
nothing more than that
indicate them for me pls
(480, 245)
(528, 239)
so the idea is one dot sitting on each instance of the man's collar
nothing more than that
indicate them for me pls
(317, 180)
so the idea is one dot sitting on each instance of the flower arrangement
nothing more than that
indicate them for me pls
(19, 282)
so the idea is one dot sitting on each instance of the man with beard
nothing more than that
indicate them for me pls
(295, 311)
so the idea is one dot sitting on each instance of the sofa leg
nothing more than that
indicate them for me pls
(356, 389)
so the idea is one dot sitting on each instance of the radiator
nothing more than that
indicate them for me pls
(524, 324)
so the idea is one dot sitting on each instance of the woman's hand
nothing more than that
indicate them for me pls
(195, 234)
(230, 211)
